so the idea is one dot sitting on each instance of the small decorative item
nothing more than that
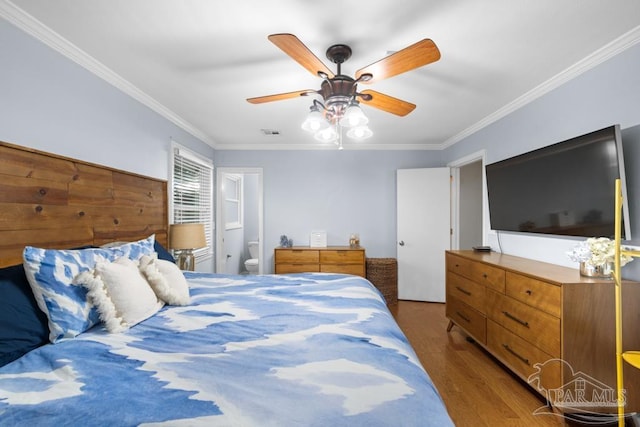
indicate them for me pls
(318, 239)
(603, 270)
(596, 257)
(285, 242)
(354, 240)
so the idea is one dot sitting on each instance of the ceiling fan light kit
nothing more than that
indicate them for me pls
(353, 116)
(341, 100)
(315, 121)
(329, 134)
(359, 133)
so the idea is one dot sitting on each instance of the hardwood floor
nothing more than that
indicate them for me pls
(476, 389)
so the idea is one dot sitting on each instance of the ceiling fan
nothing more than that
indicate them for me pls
(339, 91)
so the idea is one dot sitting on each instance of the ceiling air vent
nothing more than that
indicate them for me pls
(270, 132)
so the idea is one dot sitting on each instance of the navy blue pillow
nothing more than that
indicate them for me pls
(23, 326)
(163, 253)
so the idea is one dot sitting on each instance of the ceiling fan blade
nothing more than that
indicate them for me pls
(293, 47)
(418, 54)
(280, 96)
(387, 103)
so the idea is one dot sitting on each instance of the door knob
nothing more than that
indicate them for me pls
(401, 242)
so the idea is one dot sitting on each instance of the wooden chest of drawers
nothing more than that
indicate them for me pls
(546, 323)
(332, 259)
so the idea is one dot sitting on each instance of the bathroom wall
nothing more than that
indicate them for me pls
(251, 215)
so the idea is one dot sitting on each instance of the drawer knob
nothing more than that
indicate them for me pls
(528, 292)
(484, 275)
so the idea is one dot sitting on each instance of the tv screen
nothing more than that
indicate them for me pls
(566, 188)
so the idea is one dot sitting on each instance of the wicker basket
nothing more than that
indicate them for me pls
(383, 273)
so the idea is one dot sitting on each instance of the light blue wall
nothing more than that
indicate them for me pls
(251, 212)
(605, 95)
(340, 192)
(50, 103)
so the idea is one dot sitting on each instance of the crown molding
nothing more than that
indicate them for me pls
(355, 146)
(41, 32)
(608, 51)
(37, 29)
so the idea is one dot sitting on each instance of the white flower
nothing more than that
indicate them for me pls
(596, 251)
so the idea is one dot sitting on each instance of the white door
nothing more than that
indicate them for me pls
(423, 232)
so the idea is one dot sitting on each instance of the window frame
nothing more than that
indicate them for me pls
(203, 200)
(233, 202)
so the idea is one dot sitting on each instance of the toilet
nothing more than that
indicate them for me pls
(252, 264)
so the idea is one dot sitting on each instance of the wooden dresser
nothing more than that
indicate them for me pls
(332, 259)
(527, 312)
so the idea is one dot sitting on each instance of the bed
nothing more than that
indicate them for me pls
(202, 349)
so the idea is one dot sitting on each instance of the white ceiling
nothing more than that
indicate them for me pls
(196, 61)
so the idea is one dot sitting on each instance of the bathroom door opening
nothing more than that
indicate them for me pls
(239, 218)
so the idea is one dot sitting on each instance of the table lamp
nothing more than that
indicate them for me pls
(184, 238)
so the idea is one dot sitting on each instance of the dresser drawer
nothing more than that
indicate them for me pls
(297, 256)
(336, 259)
(467, 291)
(536, 293)
(342, 257)
(522, 357)
(485, 274)
(474, 322)
(538, 328)
(297, 268)
(491, 277)
(459, 265)
(355, 269)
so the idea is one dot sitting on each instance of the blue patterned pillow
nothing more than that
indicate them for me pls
(51, 272)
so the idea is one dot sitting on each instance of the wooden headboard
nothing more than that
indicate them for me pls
(51, 201)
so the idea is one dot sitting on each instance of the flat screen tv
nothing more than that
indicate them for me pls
(564, 189)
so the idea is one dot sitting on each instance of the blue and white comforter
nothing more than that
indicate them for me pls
(297, 350)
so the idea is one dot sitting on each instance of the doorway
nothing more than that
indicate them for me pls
(469, 207)
(438, 209)
(239, 218)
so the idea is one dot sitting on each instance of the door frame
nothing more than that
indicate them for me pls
(220, 262)
(455, 196)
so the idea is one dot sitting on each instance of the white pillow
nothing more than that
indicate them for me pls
(121, 294)
(166, 280)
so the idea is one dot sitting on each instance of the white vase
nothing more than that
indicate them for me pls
(602, 271)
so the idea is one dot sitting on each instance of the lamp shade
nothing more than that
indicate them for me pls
(187, 236)
(315, 121)
(327, 135)
(359, 133)
(353, 117)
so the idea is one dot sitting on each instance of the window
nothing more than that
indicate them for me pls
(233, 201)
(192, 194)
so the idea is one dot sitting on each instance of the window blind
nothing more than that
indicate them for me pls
(192, 194)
